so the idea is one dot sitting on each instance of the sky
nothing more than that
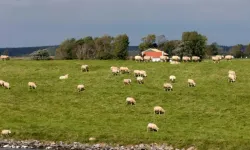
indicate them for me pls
(26, 23)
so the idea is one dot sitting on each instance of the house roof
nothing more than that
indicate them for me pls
(154, 50)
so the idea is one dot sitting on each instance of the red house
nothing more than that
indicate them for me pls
(154, 53)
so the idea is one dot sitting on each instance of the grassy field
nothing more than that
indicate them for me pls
(212, 115)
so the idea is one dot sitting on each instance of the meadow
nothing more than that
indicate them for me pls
(212, 115)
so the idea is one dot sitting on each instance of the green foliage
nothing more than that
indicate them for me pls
(210, 116)
(212, 49)
(236, 51)
(247, 50)
(40, 55)
(120, 46)
(66, 50)
(169, 46)
(148, 42)
(85, 48)
(104, 47)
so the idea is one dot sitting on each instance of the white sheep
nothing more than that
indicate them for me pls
(195, 58)
(186, 58)
(216, 59)
(80, 87)
(6, 85)
(231, 78)
(32, 85)
(172, 78)
(136, 73)
(85, 68)
(138, 58)
(127, 81)
(143, 73)
(168, 87)
(228, 57)
(159, 110)
(124, 70)
(152, 127)
(64, 77)
(147, 58)
(130, 100)
(191, 83)
(5, 132)
(164, 58)
(1, 82)
(232, 72)
(140, 80)
(92, 139)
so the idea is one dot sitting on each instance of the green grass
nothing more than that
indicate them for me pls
(212, 115)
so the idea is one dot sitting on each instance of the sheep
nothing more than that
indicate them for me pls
(164, 58)
(186, 58)
(92, 139)
(138, 58)
(80, 87)
(140, 80)
(127, 81)
(5, 57)
(124, 70)
(130, 100)
(228, 57)
(152, 127)
(64, 77)
(5, 132)
(1, 82)
(215, 59)
(143, 73)
(115, 71)
(113, 67)
(85, 68)
(174, 62)
(175, 58)
(136, 73)
(231, 78)
(147, 58)
(32, 85)
(168, 87)
(219, 56)
(191, 83)
(158, 110)
(6, 85)
(172, 78)
(195, 58)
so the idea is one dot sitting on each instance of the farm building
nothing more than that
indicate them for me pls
(154, 53)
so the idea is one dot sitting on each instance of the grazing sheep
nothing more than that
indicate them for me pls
(5, 132)
(215, 59)
(85, 68)
(124, 70)
(143, 73)
(195, 58)
(232, 72)
(138, 58)
(164, 58)
(168, 87)
(159, 110)
(220, 57)
(172, 78)
(1, 82)
(130, 100)
(191, 83)
(175, 58)
(5, 57)
(172, 62)
(228, 57)
(127, 81)
(64, 77)
(32, 85)
(140, 80)
(6, 85)
(147, 58)
(136, 73)
(113, 67)
(115, 71)
(186, 58)
(152, 127)
(231, 78)
(80, 87)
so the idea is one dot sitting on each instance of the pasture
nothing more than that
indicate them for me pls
(212, 115)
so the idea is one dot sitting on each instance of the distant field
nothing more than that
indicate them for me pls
(213, 115)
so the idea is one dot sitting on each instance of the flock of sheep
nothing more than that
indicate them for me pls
(139, 75)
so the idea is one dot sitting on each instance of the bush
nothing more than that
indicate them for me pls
(40, 55)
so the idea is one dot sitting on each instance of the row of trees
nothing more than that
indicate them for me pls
(105, 47)
(108, 47)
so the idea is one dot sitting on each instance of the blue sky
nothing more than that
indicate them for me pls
(49, 22)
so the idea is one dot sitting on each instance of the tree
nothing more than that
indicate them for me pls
(194, 43)
(247, 50)
(169, 46)
(120, 46)
(66, 50)
(103, 47)
(236, 51)
(212, 49)
(40, 55)
(85, 48)
(148, 42)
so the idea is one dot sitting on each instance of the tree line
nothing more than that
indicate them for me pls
(108, 47)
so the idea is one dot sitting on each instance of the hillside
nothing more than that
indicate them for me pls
(212, 115)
